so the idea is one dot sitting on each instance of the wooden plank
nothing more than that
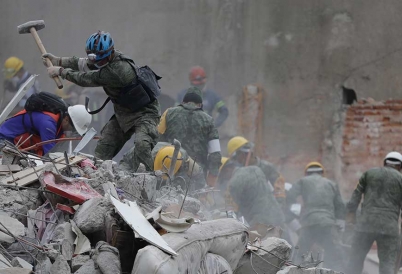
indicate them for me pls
(14, 168)
(28, 176)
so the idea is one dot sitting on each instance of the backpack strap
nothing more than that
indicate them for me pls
(99, 109)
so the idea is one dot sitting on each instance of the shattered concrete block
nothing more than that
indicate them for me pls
(296, 270)
(18, 262)
(78, 261)
(60, 266)
(88, 268)
(143, 186)
(106, 257)
(44, 264)
(13, 225)
(276, 251)
(90, 216)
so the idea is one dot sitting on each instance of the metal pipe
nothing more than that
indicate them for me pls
(56, 141)
(177, 146)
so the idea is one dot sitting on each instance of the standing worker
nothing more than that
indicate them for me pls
(136, 108)
(15, 75)
(378, 221)
(211, 100)
(196, 132)
(323, 209)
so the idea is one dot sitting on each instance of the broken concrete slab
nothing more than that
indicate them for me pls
(90, 216)
(296, 270)
(18, 262)
(78, 261)
(88, 268)
(269, 258)
(13, 225)
(60, 266)
(106, 258)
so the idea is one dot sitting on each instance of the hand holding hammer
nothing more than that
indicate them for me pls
(32, 27)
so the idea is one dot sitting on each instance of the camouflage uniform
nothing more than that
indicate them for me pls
(382, 189)
(323, 205)
(275, 178)
(256, 203)
(196, 132)
(113, 77)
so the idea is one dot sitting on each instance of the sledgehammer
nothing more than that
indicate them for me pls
(32, 27)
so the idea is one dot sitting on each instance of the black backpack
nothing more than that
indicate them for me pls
(45, 101)
(145, 77)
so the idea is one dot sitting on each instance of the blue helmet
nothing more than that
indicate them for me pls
(100, 43)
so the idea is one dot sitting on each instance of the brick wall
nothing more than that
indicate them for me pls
(371, 130)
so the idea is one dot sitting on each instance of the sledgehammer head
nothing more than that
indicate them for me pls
(25, 28)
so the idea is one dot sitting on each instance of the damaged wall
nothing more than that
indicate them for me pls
(366, 132)
(300, 53)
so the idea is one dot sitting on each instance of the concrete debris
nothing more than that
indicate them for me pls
(110, 234)
(106, 258)
(78, 261)
(90, 216)
(60, 266)
(270, 255)
(296, 270)
(12, 225)
(44, 264)
(18, 262)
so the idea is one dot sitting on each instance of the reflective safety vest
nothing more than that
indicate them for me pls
(31, 136)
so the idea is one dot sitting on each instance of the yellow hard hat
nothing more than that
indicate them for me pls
(163, 159)
(12, 66)
(223, 162)
(314, 164)
(235, 143)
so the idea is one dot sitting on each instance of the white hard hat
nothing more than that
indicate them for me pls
(393, 156)
(80, 118)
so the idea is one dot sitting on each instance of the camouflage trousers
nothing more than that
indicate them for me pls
(327, 237)
(387, 248)
(113, 139)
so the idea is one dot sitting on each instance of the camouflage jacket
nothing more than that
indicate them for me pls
(322, 201)
(382, 190)
(116, 75)
(256, 202)
(196, 132)
(275, 178)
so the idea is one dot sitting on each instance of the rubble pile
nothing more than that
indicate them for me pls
(106, 220)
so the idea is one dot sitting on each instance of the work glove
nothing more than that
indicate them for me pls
(54, 71)
(56, 61)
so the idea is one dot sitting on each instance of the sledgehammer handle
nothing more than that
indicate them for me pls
(43, 51)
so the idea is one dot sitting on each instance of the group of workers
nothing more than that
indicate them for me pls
(249, 185)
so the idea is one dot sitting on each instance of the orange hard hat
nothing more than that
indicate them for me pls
(197, 75)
